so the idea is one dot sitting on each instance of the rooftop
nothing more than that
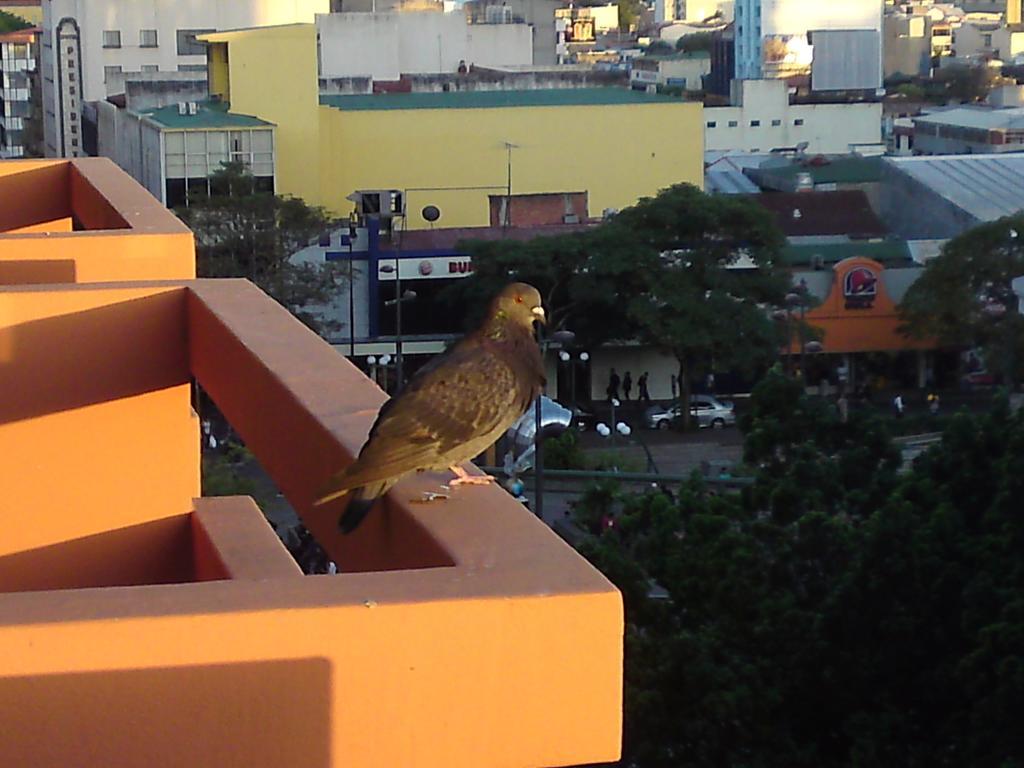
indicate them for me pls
(211, 114)
(823, 214)
(891, 253)
(552, 97)
(843, 169)
(985, 118)
(987, 187)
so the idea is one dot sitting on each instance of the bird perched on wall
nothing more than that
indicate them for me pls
(453, 409)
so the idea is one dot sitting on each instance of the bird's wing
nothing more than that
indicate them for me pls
(469, 392)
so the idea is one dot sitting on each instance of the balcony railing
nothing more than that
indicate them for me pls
(142, 625)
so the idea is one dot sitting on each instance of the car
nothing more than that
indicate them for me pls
(707, 410)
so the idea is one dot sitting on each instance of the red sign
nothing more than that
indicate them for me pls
(460, 267)
(860, 286)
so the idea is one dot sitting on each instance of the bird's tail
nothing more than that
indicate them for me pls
(360, 502)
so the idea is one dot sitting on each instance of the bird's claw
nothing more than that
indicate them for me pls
(429, 496)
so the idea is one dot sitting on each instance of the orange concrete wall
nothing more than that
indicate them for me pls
(101, 445)
(383, 681)
(121, 231)
(33, 192)
(501, 647)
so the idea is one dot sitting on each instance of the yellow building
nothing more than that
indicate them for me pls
(452, 150)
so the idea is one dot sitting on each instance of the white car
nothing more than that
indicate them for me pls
(707, 410)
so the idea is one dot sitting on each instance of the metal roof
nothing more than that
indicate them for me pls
(211, 114)
(551, 97)
(986, 187)
(984, 118)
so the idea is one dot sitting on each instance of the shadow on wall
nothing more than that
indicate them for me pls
(94, 355)
(158, 552)
(41, 272)
(197, 715)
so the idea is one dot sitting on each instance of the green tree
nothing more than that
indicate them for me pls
(11, 23)
(699, 41)
(697, 303)
(242, 232)
(964, 297)
(658, 48)
(662, 271)
(891, 637)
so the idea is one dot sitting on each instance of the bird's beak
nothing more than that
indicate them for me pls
(538, 312)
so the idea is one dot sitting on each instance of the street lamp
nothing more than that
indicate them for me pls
(568, 357)
(564, 338)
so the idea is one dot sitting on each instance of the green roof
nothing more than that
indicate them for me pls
(839, 170)
(554, 97)
(888, 252)
(212, 114)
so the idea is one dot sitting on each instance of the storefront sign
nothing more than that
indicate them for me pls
(860, 286)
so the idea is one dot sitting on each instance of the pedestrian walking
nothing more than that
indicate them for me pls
(933, 404)
(642, 384)
(675, 385)
(710, 381)
(627, 384)
(613, 386)
(843, 404)
(897, 405)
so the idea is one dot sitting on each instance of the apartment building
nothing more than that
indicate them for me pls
(85, 43)
(761, 118)
(17, 65)
(773, 37)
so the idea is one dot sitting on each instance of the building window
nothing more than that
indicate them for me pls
(712, 124)
(71, 49)
(191, 67)
(74, 142)
(150, 67)
(187, 43)
(71, 63)
(776, 123)
(71, 77)
(109, 72)
(147, 38)
(733, 123)
(755, 123)
(74, 129)
(798, 121)
(986, 40)
(111, 38)
(71, 90)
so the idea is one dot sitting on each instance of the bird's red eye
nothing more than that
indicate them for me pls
(519, 299)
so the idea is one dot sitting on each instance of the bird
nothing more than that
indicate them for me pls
(454, 408)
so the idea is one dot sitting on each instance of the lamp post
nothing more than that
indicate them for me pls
(564, 338)
(568, 357)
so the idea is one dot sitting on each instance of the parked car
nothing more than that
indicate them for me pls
(707, 410)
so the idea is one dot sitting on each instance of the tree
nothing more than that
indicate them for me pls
(658, 47)
(699, 41)
(697, 304)
(242, 232)
(661, 271)
(964, 296)
(11, 23)
(966, 83)
(892, 636)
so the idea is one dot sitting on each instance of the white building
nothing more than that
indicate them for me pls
(772, 35)
(762, 119)
(683, 70)
(694, 11)
(17, 63)
(386, 45)
(85, 42)
(174, 149)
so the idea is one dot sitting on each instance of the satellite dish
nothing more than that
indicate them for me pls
(431, 213)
